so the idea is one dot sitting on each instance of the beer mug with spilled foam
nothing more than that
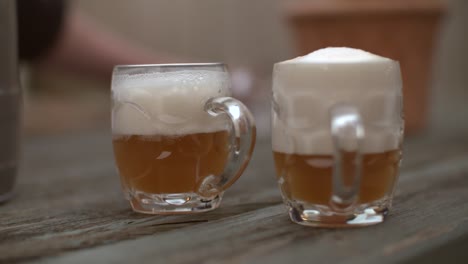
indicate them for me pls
(179, 138)
(337, 130)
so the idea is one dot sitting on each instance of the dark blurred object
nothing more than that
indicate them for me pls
(403, 30)
(9, 99)
(39, 24)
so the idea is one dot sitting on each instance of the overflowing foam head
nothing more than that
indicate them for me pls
(307, 87)
(167, 103)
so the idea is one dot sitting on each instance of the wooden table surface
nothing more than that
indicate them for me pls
(69, 209)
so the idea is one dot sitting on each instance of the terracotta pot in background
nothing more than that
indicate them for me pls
(401, 30)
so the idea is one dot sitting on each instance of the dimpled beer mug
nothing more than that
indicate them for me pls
(179, 139)
(337, 130)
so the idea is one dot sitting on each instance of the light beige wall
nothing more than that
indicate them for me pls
(252, 33)
(241, 32)
(450, 89)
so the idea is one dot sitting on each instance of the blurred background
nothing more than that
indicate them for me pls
(428, 37)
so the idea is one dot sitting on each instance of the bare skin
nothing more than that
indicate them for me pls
(88, 49)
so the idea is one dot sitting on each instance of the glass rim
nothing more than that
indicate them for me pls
(176, 65)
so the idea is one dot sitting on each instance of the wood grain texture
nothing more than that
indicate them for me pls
(69, 197)
(69, 209)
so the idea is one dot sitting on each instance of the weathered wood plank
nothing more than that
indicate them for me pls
(72, 200)
(451, 252)
(430, 211)
(69, 197)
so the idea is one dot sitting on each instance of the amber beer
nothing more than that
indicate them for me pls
(308, 178)
(180, 140)
(170, 164)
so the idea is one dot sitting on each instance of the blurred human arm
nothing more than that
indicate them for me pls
(84, 47)
(54, 35)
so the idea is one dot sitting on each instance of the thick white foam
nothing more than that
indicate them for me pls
(305, 89)
(338, 55)
(169, 103)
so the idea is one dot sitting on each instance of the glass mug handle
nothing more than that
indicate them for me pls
(347, 133)
(242, 142)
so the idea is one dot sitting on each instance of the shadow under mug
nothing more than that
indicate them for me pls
(179, 139)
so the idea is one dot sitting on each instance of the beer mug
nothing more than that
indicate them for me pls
(337, 130)
(179, 139)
